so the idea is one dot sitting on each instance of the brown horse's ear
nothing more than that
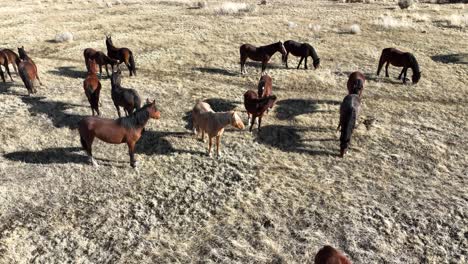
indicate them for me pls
(148, 101)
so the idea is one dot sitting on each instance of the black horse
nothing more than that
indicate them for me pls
(302, 50)
(262, 53)
(400, 59)
(127, 98)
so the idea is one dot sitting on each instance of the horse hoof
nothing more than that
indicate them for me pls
(94, 162)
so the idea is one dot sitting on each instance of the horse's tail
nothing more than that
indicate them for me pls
(23, 72)
(381, 61)
(132, 64)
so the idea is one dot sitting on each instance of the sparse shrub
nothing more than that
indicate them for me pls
(355, 29)
(457, 20)
(315, 28)
(404, 4)
(201, 4)
(109, 4)
(420, 18)
(64, 37)
(263, 2)
(229, 8)
(292, 24)
(389, 22)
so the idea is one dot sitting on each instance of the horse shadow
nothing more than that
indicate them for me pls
(221, 105)
(49, 156)
(5, 87)
(389, 80)
(55, 111)
(269, 65)
(461, 58)
(155, 143)
(212, 70)
(69, 71)
(290, 108)
(288, 139)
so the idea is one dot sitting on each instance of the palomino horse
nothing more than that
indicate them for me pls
(257, 106)
(124, 97)
(349, 112)
(124, 55)
(356, 82)
(262, 54)
(4, 63)
(265, 86)
(100, 58)
(12, 57)
(302, 50)
(123, 130)
(329, 255)
(399, 59)
(213, 123)
(92, 87)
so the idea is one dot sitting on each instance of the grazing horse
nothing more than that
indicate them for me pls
(356, 82)
(124, 55)
(349, 112)
(100, 58)
(256, 106)
(213, 123)
(262, 54)
(24, 57)
(123, 130)
(265, 86)
(127, 98)
(92, 87)
(329, 255)
(400, 59)
(4, 62)
(302, 50)
(12, 57)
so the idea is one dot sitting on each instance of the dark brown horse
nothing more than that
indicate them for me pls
(100, 58)
(349, 112)
(24, 57)
(127, 98)
(265, 86)
(256, 107)
(4, 63)
(356, 83)
(329, 255)
(400, 59)
(12, 57)
(123, 130)
(92, 87)
(262, 54)
(124, 55)
(302, 50)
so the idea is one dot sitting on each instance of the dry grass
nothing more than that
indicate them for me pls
(276, 196)
(387, 22)
(231, 8)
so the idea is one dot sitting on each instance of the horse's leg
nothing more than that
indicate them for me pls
(253, 121)
(305, 63)
(8, 71)
(209, 145)
(242, 62)
(264, 63)
(259, 122)
(118, 109)
(386, 69)
(87, 143)
(37, 77)
(131, 152)
(248, 119)
(100, 70)
(404, 75)
(217, 145)
(107, 70)
(129, 68)
(300, 61)
(1, 73)
(286, 59)
(401, 73)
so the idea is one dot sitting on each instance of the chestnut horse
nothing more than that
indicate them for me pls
(265, 86)
(262, 53)
(356, 82)
(400, 59)
(92, 87)
(329, 255)
(256, 107)
(100, 58)
(4, 63)
(213, 123)
(349, 112)
(123, 130)
(127, 98)
(302, 50)
(124, 55)
(12, 57)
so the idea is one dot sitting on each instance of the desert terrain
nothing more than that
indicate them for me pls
(275, 196)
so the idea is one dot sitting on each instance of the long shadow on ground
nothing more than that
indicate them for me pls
(290, 108)
(213, 70)
(69, 71)
(54, 111)
(461, 58)
(288, 139)
(155, 143)
(49, 156)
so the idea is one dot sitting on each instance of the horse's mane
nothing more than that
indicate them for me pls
(135, 120)
(414, 63)
(314, 55)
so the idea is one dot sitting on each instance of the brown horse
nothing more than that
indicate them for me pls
(4, 63)
(349, 112)
(213, 123)
(100, 58)
(92, 87)
(302, 50)
(329, 255)
(265, 86)
(262, 53)
(400, 59)
(123, 130)
(124, 55)
(12, 57)
(124, 97)
(356, 82)
(256, 107)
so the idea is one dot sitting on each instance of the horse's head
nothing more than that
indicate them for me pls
(416, 76)
(316, 63)
(116, 77)
(152, 109)
(109, 39)
(236, 121)
(22, 54)
(282, 49)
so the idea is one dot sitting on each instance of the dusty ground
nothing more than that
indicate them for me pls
(277, 196)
